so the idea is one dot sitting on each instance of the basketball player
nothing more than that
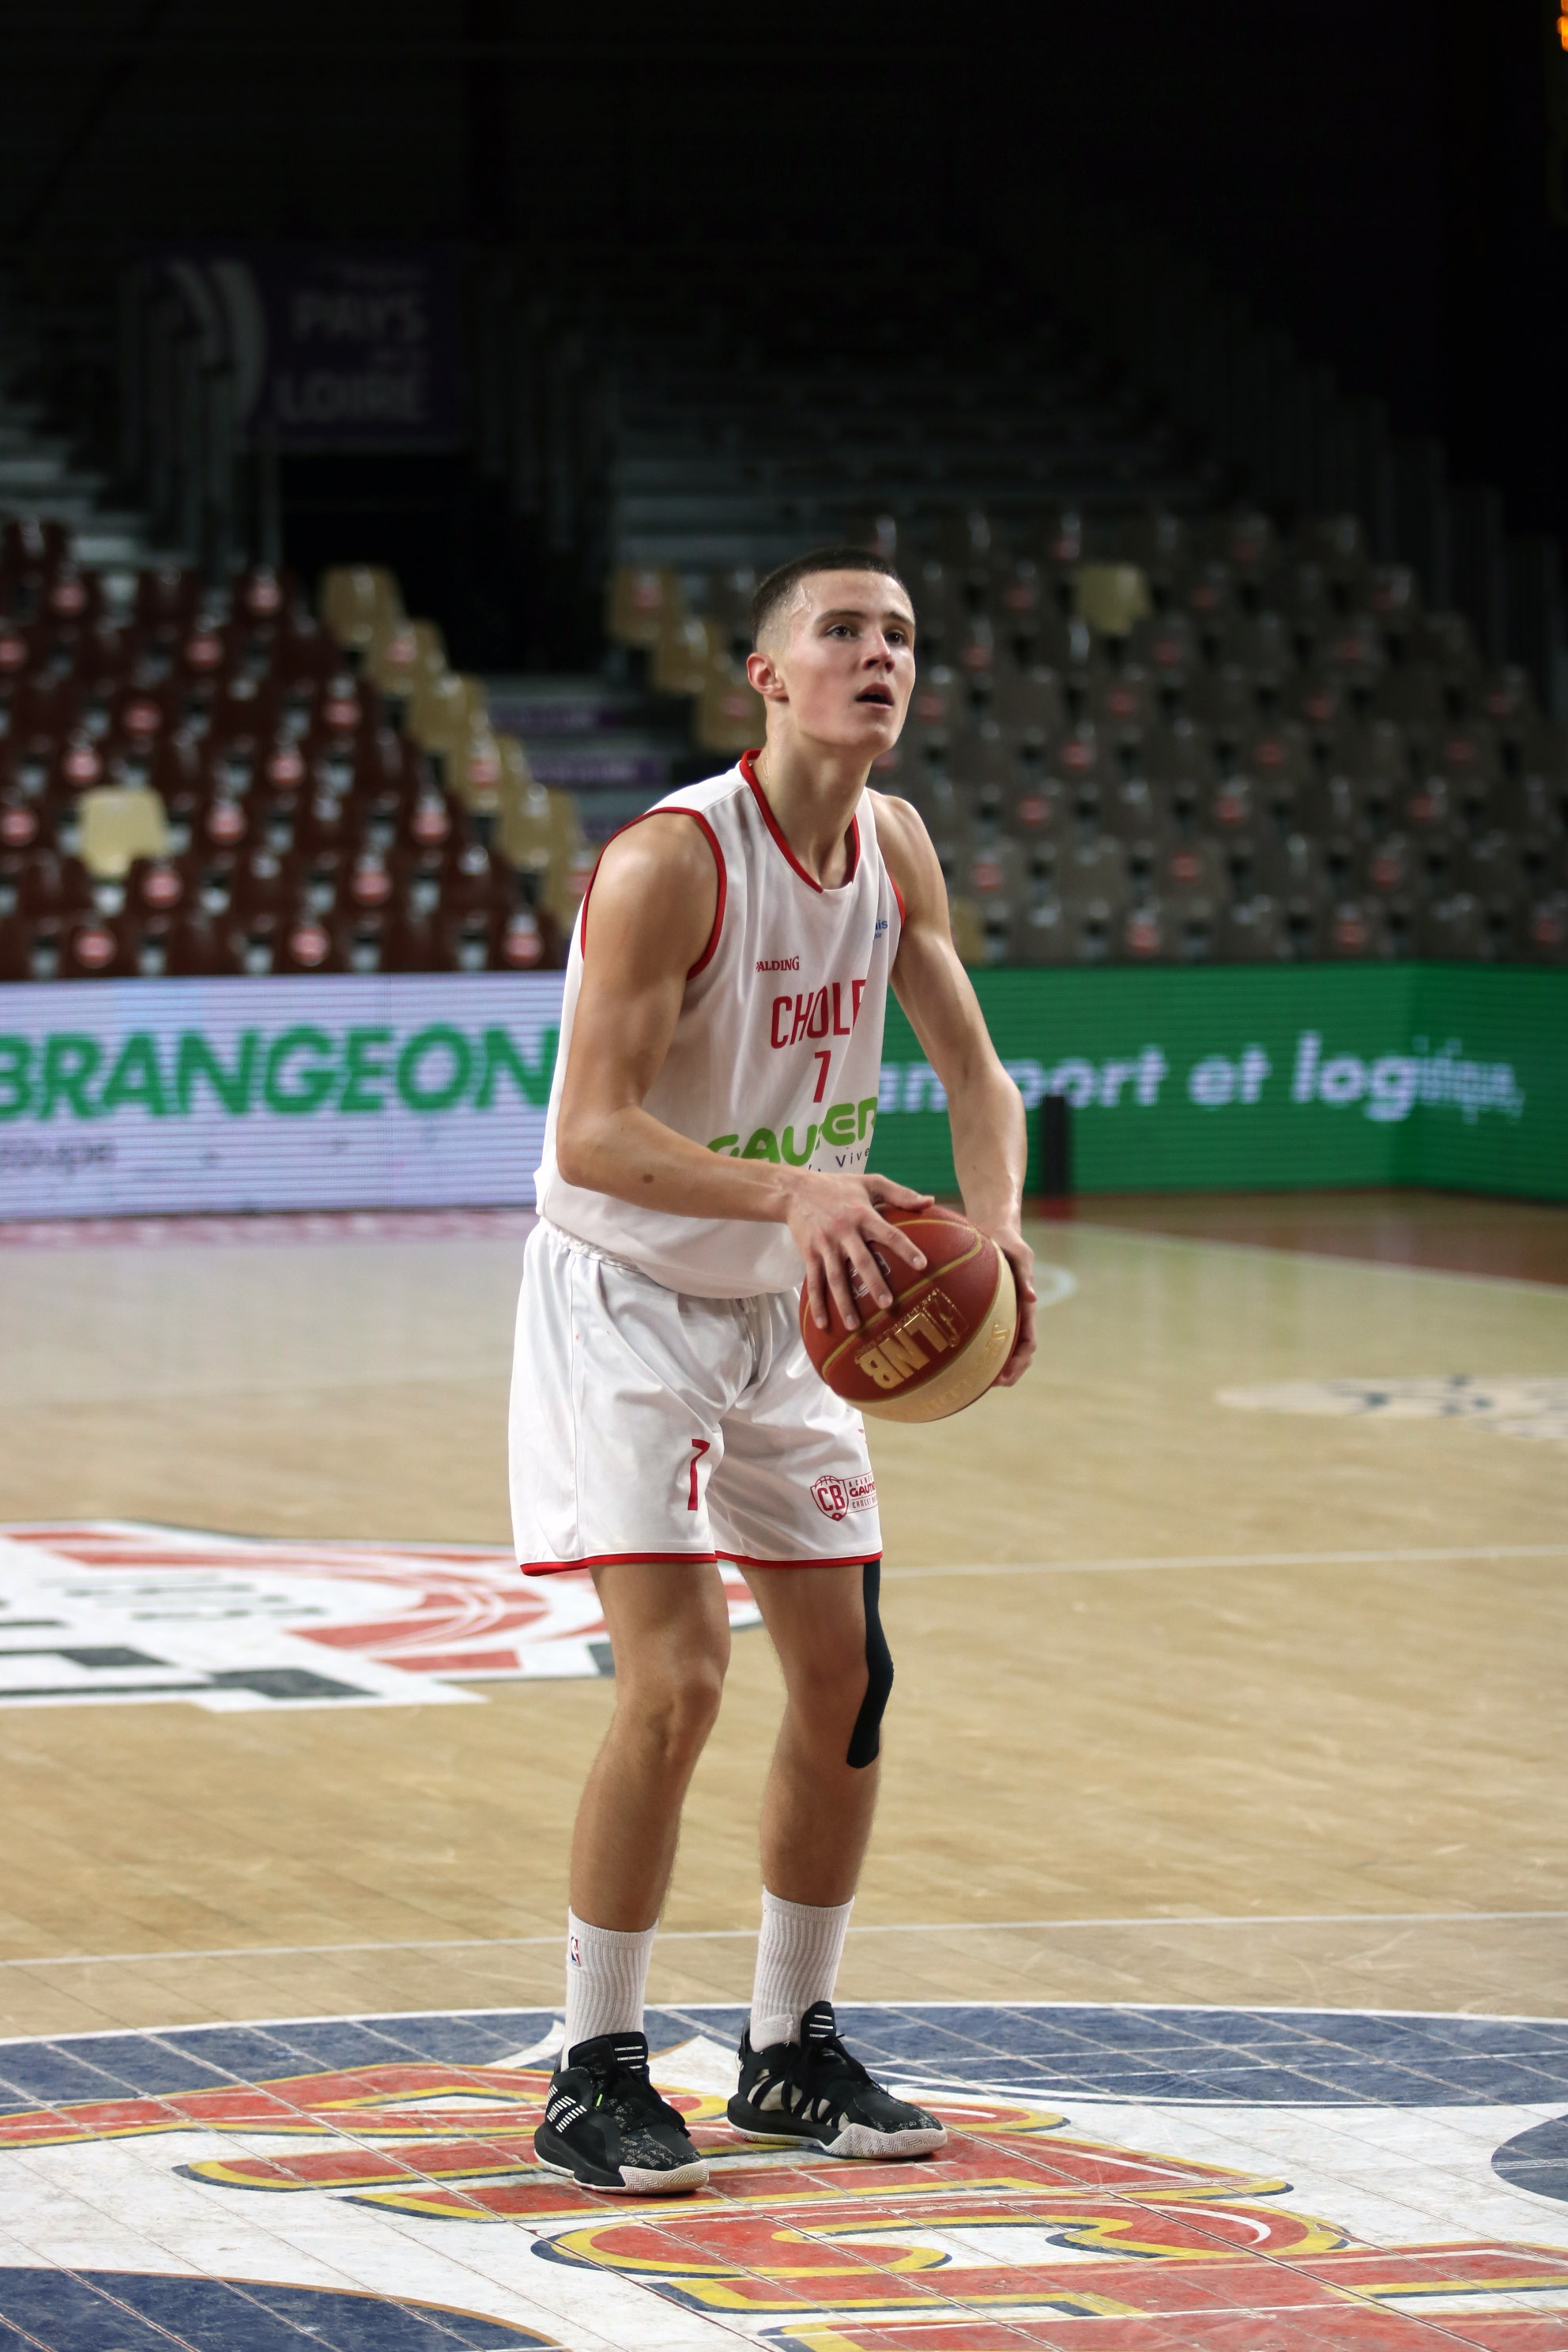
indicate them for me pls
(707, 1147)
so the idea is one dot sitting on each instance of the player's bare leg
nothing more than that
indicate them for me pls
(817, 1806)
(798, 2080)
(669, 1629)
(605, 2123)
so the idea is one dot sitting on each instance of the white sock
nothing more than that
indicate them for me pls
(798, 1953)
(607, 1973)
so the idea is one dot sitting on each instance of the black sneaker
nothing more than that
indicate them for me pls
(606, 2126)
(813, 2089)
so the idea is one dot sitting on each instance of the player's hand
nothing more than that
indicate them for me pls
(1021, 1259)
(835, 1222)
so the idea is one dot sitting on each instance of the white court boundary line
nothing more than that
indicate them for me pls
(749, 1935)
(1317, 1257)
(685, 2008)
(1245, 1560)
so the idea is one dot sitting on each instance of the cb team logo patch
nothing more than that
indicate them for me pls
(836, 1497)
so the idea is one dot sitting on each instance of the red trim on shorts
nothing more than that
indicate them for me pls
(615, 1560)
(706, 958)
(850, 1559)
(678, 1558)
(771, 821)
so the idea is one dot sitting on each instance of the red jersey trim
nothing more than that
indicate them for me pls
(771, 821)
(898, 894)
(706, 958)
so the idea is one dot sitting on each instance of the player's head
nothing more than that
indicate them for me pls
(835, 659)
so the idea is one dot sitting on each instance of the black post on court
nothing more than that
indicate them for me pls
(1055, 1148)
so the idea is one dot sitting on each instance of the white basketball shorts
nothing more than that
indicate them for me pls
(648, 1424)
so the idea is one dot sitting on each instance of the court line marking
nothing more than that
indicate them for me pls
(1245, 1560)
(745, 1934)
(1319, 1257)
(684, 2009)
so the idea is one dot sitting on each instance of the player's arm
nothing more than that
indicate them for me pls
(989, 1142)
(649, 918)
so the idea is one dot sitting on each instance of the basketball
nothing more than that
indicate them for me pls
(944, 1339)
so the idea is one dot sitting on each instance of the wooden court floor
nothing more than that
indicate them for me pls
(1197, 1700)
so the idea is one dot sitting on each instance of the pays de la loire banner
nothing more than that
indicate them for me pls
(332, 346)
(428, 1091)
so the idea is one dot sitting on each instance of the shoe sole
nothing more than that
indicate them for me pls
(629, 2181)
(855, 2140)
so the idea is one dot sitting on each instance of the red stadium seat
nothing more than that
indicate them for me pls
(1545, 930)
(1252, 931)
(16, 949)
(51, 885)
(307, 944)
(1039, 808)
(97, 947)
(42, 711)
(201, 946)
(520, 943)
(1356, 931)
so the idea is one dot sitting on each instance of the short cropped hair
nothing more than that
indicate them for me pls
(780, 585)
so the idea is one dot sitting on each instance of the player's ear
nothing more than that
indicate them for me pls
(764, 673)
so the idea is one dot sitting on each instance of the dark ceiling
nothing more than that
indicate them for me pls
(1367, 172)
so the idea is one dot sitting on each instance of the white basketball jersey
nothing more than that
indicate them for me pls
(777, 1053)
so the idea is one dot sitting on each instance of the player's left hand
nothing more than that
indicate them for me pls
(1021, 1259)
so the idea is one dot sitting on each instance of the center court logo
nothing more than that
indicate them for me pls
(126, 1613)
(1068, 2208)
(836, 1497)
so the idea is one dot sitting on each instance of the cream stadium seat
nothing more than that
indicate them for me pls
(444, 710)
(731, 713)
(357, 602)
(402, 653)
(525, 832)
(686, 651)
(121, 823)
(641, 594)
(571, 860)
(475, 770)
(1111, 597)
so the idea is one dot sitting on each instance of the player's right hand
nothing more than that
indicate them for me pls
(836, 1226)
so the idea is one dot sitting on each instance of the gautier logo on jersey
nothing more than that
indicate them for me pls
(843, 1127)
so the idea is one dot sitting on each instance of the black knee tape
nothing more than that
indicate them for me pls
(865, 1740)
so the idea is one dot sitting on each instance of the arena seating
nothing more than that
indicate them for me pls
(1161, 737)
(1152, 736)
(196, 783)
(1151, 724)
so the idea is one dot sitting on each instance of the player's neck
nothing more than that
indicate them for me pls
(813, 790)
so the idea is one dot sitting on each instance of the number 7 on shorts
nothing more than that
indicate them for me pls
(699, 1447)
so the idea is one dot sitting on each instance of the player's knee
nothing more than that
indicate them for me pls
(865, 1740)
(676, 1711)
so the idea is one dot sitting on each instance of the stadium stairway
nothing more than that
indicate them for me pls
(616, 746)
(40, 477)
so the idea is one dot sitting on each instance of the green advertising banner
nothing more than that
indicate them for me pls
(1259, 1076)
(122, 1098)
